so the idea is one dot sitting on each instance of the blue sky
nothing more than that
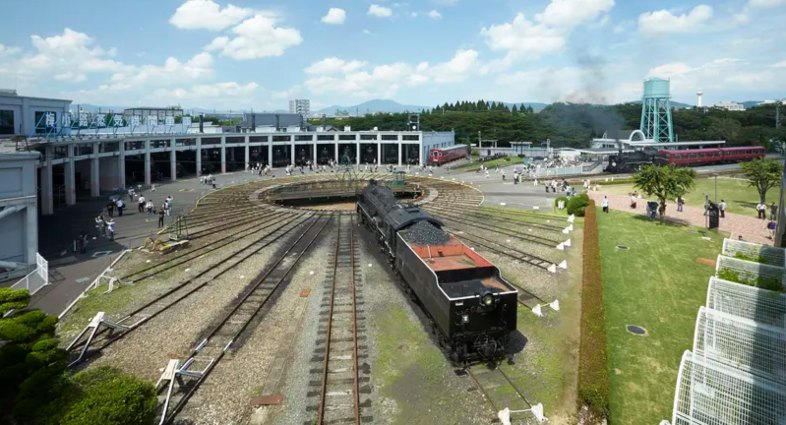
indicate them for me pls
(249, 54)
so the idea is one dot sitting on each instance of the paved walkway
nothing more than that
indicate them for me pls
(751, 228)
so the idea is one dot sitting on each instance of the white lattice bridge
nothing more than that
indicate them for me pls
(761, 305)
(741, 343)
(712, 393)
(750, 270)
(761, 253)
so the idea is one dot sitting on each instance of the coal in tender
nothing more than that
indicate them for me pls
(425, 233)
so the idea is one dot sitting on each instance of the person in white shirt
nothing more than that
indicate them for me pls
(605, 204)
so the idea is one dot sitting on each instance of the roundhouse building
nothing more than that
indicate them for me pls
(104, 163)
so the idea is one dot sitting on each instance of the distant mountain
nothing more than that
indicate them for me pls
(370, 107)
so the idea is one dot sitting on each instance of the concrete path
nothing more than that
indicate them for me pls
(751, 228)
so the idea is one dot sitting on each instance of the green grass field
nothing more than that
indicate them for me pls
(656, 284)
(502, 162)
(740, 197)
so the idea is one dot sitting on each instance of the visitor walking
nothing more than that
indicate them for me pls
(110, 227)
(605, 204)
(680, 203)
(722, 208)
(771, 228)
(761, 209)
(161, 217)
(141, 204)
(633, 200)
(120, 205)
(773, 211)
(110, 208)
(100, 225)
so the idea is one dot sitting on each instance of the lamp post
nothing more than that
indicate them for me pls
(716, 188)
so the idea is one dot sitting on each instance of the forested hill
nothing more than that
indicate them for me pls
(574, 124)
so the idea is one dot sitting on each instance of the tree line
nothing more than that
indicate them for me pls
(573, 125)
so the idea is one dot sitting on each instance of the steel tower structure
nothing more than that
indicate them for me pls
(656, 111)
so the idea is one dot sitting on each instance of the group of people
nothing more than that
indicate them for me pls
(761, 210)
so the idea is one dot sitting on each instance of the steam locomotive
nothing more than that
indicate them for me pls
(472, 307)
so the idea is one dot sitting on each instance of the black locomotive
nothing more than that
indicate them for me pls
(472, 307)
(629, 162)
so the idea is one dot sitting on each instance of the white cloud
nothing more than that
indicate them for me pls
(8, 50)
(664, 22)
(69, 57)
(256, 37)
(358, 79)
(524, 37)
(766, 3)
(379, 11)
(434, 14)
(547, 32)
(203, 92)
(569, 13)
(207, 14)
(367, 32)
(781, 64)
(133, 77)
(334, 65)
(335, 16)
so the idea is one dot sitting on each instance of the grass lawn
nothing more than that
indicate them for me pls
(656, 284)
(740, 197)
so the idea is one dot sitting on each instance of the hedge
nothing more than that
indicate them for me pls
(577, 204)
(593, 365)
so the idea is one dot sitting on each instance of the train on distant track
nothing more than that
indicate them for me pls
(472, 307)
(441, 156)
(629, 162)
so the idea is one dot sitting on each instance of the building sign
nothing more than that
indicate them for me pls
(134, 120)
(100, 120)
(50, 119)
(117, 119)
(67, 120)
(169, 120)
(186, 121)
(83, 119)
(152, 121)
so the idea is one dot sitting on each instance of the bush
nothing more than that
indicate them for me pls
(577, 204)
(108, 396)
(593, 366)
(626, 180)
(764, 282)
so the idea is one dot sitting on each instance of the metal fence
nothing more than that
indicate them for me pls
(750, 270)
(36, 279)
(755, 252)
(761, 305)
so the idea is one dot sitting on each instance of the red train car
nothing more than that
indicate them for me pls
(439, 156)
(690, 157)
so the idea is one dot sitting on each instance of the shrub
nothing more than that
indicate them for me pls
(108, 396)
(757, 259)
(764, 282)
(577, 204)
(593, 366)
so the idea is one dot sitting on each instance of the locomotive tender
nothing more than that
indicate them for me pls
(472, 307)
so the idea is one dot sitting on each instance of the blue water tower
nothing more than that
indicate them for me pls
(656, 111)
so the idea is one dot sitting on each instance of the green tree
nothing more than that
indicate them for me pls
(664, 182)
(763, 174)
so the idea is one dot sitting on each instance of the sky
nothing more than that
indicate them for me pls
(248, 54)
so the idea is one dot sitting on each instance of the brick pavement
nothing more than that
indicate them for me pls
(751, 228)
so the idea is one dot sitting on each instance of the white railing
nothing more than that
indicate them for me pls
(756, 252)
(36, 279)
(750, 270)
(96, 282)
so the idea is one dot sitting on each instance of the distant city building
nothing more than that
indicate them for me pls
(300, 106)
(271, 122)
(729, 106)
(160, 113)
(24, 115)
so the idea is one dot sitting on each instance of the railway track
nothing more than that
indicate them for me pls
(275, 222)
(500, 392)
(221, 337)
(338, 387)
(458, 219)
(139, 316)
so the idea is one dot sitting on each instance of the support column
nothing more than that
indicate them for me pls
(357, 152)
(379, 153)
(400, 155)
(31, 216)
(172, 160)
(335, 150)
(121, 164)
(247, 154)
(147, 163)
(223, 154)
(292, 151)
(95, 170)
(70, 177)
(269, 152)
(199, 156)
(315, 154)
(47, 195)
